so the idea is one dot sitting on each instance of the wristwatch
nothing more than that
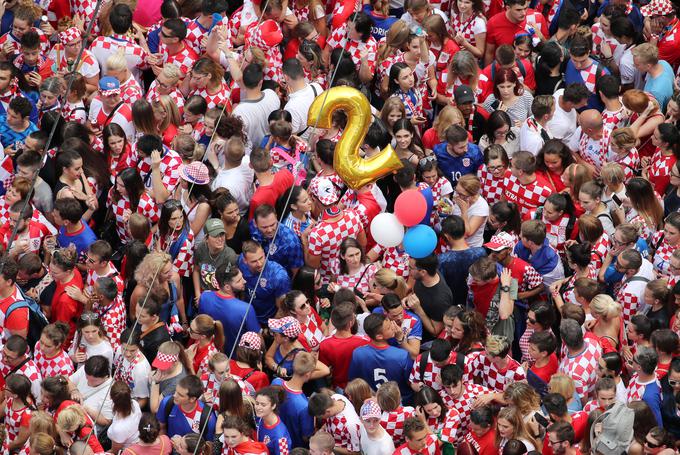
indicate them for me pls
(505, 288)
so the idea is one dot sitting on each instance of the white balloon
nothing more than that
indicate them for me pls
(387, 230)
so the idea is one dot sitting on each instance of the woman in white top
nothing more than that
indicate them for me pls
(374, 439)
(470, 206)
(90, 340)
(193, 192)
(510, 425)
(123, 431)
(590, 198)
(509, 96)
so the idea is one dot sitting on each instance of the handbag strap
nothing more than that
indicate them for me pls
(361, 278)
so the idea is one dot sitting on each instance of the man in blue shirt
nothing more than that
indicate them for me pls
(16, 124)
(457, 157)
(378, 362)
(293, 410)
(408, 327)
(68, 213)
(223, 306)
(183, 413)
(270, 288)
(660, 76)
(286, 248)
(581, 69)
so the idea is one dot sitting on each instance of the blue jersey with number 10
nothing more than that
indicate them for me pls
(377, 365)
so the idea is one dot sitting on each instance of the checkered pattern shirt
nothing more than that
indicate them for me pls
(184, 262)
(431, 447)
(463, 404)
(448, 431)
(593, 151)
(663, 254)
(386, 64)
(196, 32)
(556, 231)
(28, 369)
(467, 28)
(88, 65)
(393, 422)
(630, 163)
(312, 332)
(122, 116)
(169, 168)
(393, 259)
(221, 98)
(492, 188)
(354, 48)
(16, 42)
(147, 207)
(352, 281)
(591, 406)
(660, 166)
(527, 197)
(429, 376)
(600, 250)
(175, 95)
(325, 238)
(529, 279)
(631, 298)
(582, 368)
(589, 76)
(481, 368)
(114, 319)
(242, 18)
(104, 47)
(210, 384)
(204, 367)
(183, 59)
(614, 119)
(14, 420)
(75, 112)
(60, 364)
(599, 38)
(345, 426)
(636, 389)
(131, 91)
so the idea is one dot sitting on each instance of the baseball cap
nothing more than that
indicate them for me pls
(109, 86)
(463, 94)
(324, 190)
(370, 410)
(288, 326)
(214, 227)
(251, 340)
(164, 361)
(500, 241)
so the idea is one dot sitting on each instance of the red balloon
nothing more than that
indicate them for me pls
(410, 207)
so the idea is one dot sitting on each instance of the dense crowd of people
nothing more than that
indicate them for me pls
(187, 269)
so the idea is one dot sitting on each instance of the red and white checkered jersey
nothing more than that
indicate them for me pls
(212, 385)
(429, 376)
(204, 366)
(660, 166)
(220, 98)
(591, 406)
(636, 388)
(589, 76)
(312, 330)
(130, 91)
(75, 112)
(169, 168)
(123, 117)
(569, 296)
(16, 42)
(345, 426)
(463, 404)
(480, 367)
(594, 151)
(196, 34)
(88, 66)
(600, 250)
(529, 277)
(582, 367)
(176, 95)
(630, 163)
(615, 119)
(114, 319)
(662, 256)
(184, 262)
(14, 420)
(394, 259)
(147, 207)
(325, 238)
(84, 9)
(556, 231)
(60, 364)
(599, 38)
(33, 235)
(354, 48)
(361, 280)
(448, 431)
(183, 59)
(475, 25)
(527, 197)
(104, 47)
(28, 369)
(241, 20)
(431, 447)
(393, 422)
(492, 188)
(631, 296)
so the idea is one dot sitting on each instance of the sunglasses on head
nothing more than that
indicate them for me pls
(532, 321)
(652, 445)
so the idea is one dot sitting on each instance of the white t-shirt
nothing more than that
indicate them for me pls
(140, 374)
(239, 183)
(479, 208)
(94, 397)
(254, 114)
(103, 348)
(563, 124)
(530, 139)
(123, 430)
(298, 105)
(381, 446)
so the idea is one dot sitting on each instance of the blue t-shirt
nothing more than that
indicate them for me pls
(275, 437)
(662, 85)
(612, 276)
(81, 239)
(377, 365)
(295, 415)
(8, 137)
(286, 249)
(454, 267)
(381, 24)
(454, 167)
(178, 422)
(416, 328)
(273, 284)
(230, 312)
(573, 76)
(34, 112)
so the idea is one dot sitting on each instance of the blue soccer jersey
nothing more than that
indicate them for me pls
(295, 415)
(454, 167)
(273, 283)
(276, 437)
(230, 311)
(377, 365)
(180, 423)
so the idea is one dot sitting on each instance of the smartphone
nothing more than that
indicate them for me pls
(542, 421)
(617, 200)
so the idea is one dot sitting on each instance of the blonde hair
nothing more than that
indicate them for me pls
(396, 37)
(42, 443)
(42, 422)
(172, 71)
(116, 61)
(470, 183)
(515, 418)
(448, 116)
(175, 348)
(147, 270)
(647, 53)
(563, 385)
(496, 344)
(604, 306)
(523, 396)
(577, 174)
(165, 103)
(463, 65)
(624, 138)
(389, 279)
(324, 440)
(612, 173)
(71, 418)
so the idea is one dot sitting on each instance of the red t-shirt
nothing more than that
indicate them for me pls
(258, 379)
(66, 309)
(486, 445)
(430, 138)
(579, 422)
(546, 372)
(499, 30)
(668, 46)
(338, 352)
(526, 75)
(269, 194)
(18, 320)
(552, 179)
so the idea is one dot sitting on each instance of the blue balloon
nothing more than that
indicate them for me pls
(420, 241)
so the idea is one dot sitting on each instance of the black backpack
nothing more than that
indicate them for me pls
(36, 318)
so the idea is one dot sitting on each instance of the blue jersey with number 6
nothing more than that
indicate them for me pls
(378, 365)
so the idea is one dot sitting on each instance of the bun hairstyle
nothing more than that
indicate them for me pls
(149, 428)
(65, 258)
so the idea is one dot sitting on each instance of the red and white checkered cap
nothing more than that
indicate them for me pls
(251, 340)
(288, 326)
(196, 173)
(325, 191)
(164, 361)
(69, 35)
(657, 8)
(370, 410)
(500, 241)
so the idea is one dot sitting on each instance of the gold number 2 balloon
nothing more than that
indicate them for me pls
(353, 169)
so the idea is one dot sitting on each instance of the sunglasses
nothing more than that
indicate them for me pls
(427, 159)
(531, 321)
(652, 445)
(674, 383)
(89, 317)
